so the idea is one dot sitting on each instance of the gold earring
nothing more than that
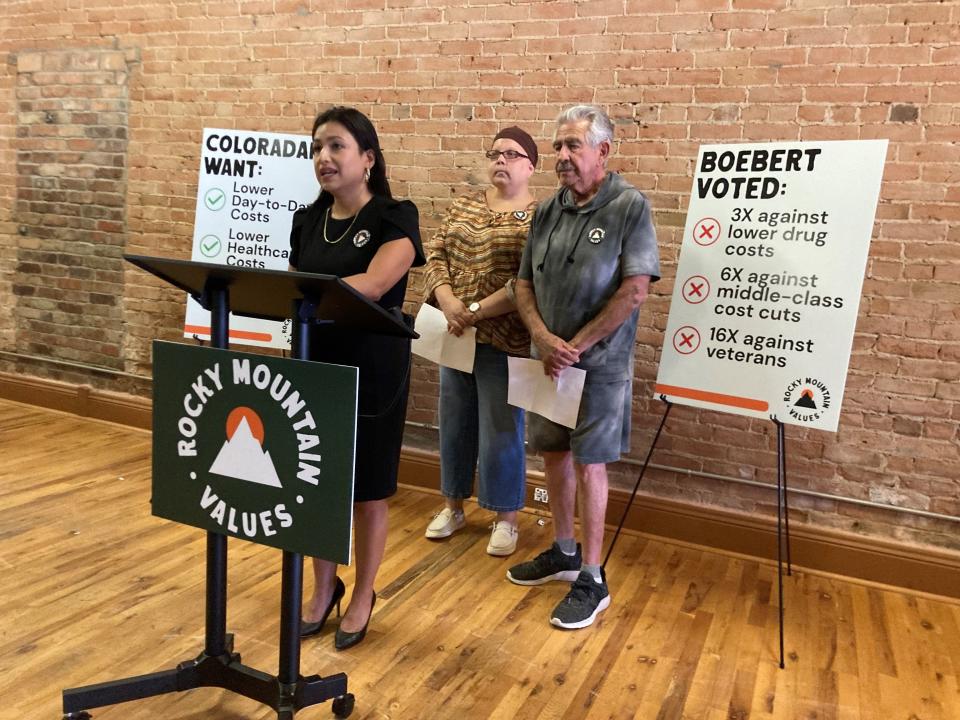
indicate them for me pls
(366, 175)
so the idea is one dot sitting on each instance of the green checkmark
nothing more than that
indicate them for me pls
(215, 199)
(210, 245)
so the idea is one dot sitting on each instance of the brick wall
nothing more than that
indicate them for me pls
(440, 78)
(71, 193)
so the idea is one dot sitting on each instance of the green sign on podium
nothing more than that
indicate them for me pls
(255, 447)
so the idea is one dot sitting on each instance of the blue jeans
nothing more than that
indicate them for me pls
(475, 421)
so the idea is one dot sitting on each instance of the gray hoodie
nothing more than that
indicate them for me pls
(576, 258)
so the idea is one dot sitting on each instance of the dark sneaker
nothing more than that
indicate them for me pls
(549, 565)
(587, 599)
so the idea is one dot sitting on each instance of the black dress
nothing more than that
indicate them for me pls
(383, 361)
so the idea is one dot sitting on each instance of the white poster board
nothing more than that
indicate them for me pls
(250, 185)
(769, 278)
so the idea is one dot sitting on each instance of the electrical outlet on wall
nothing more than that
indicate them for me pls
(540, 495)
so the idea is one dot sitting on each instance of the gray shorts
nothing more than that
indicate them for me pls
(603, 425)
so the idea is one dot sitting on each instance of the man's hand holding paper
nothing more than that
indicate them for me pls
(555, 398)
(555, 352)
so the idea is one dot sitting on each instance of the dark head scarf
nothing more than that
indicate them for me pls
(522, 139)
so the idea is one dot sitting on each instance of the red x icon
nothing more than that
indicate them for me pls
(686, 340)
(706, 231)
(696, 289)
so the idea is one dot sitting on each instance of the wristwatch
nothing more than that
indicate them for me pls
(474, 307)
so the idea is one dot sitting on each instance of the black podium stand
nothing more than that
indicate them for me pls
(276, 295)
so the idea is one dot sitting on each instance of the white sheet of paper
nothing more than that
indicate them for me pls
(441, 347)
(557, 400)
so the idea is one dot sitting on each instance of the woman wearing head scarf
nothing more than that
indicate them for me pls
(471, 265)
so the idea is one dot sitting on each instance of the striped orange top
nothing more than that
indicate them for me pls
(477, 251)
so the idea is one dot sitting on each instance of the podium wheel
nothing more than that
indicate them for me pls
(82, 715)
(343, 705)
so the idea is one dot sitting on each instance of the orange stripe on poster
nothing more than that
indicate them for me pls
(237, 334)
(712, 397)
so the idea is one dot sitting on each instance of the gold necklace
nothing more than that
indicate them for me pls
(349, 227)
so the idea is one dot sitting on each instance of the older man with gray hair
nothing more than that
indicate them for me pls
(589, 259)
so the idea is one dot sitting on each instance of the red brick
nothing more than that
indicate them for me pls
(778, 57)
(920, 14)
(762, 4)
(597, 44)
(793, 19)
(723, 59)
(899, 56)
(815, 36)
(552, 10)
(714, 95)
(739, 20)
(757, 38)
(877, 35)
(807, 75)
(680, 23)
(948, 273)
(535, 29)
(858, 15)
(834, 55)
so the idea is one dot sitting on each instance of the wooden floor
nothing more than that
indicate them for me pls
(94, 588)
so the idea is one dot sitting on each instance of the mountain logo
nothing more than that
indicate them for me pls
(361, 238)
(806, 399)
(596, 235)
(242, 456)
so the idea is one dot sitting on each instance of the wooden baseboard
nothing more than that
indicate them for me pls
(926, 569)
(930, 570)
(80, 400)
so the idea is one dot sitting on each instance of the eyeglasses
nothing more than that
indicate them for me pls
(507, 154)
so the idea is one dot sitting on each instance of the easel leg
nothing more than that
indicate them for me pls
(780, 505)
(786, 499)
(636, 486)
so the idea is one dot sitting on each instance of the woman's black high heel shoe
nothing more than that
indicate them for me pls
(343, 640)
(312, 628)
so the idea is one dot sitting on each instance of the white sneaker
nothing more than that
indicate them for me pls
(445, 523)
(503, 539)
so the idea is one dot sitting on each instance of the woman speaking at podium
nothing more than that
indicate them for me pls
(357, 231)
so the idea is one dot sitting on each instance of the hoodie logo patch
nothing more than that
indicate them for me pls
(361, 238)
(596, 235)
